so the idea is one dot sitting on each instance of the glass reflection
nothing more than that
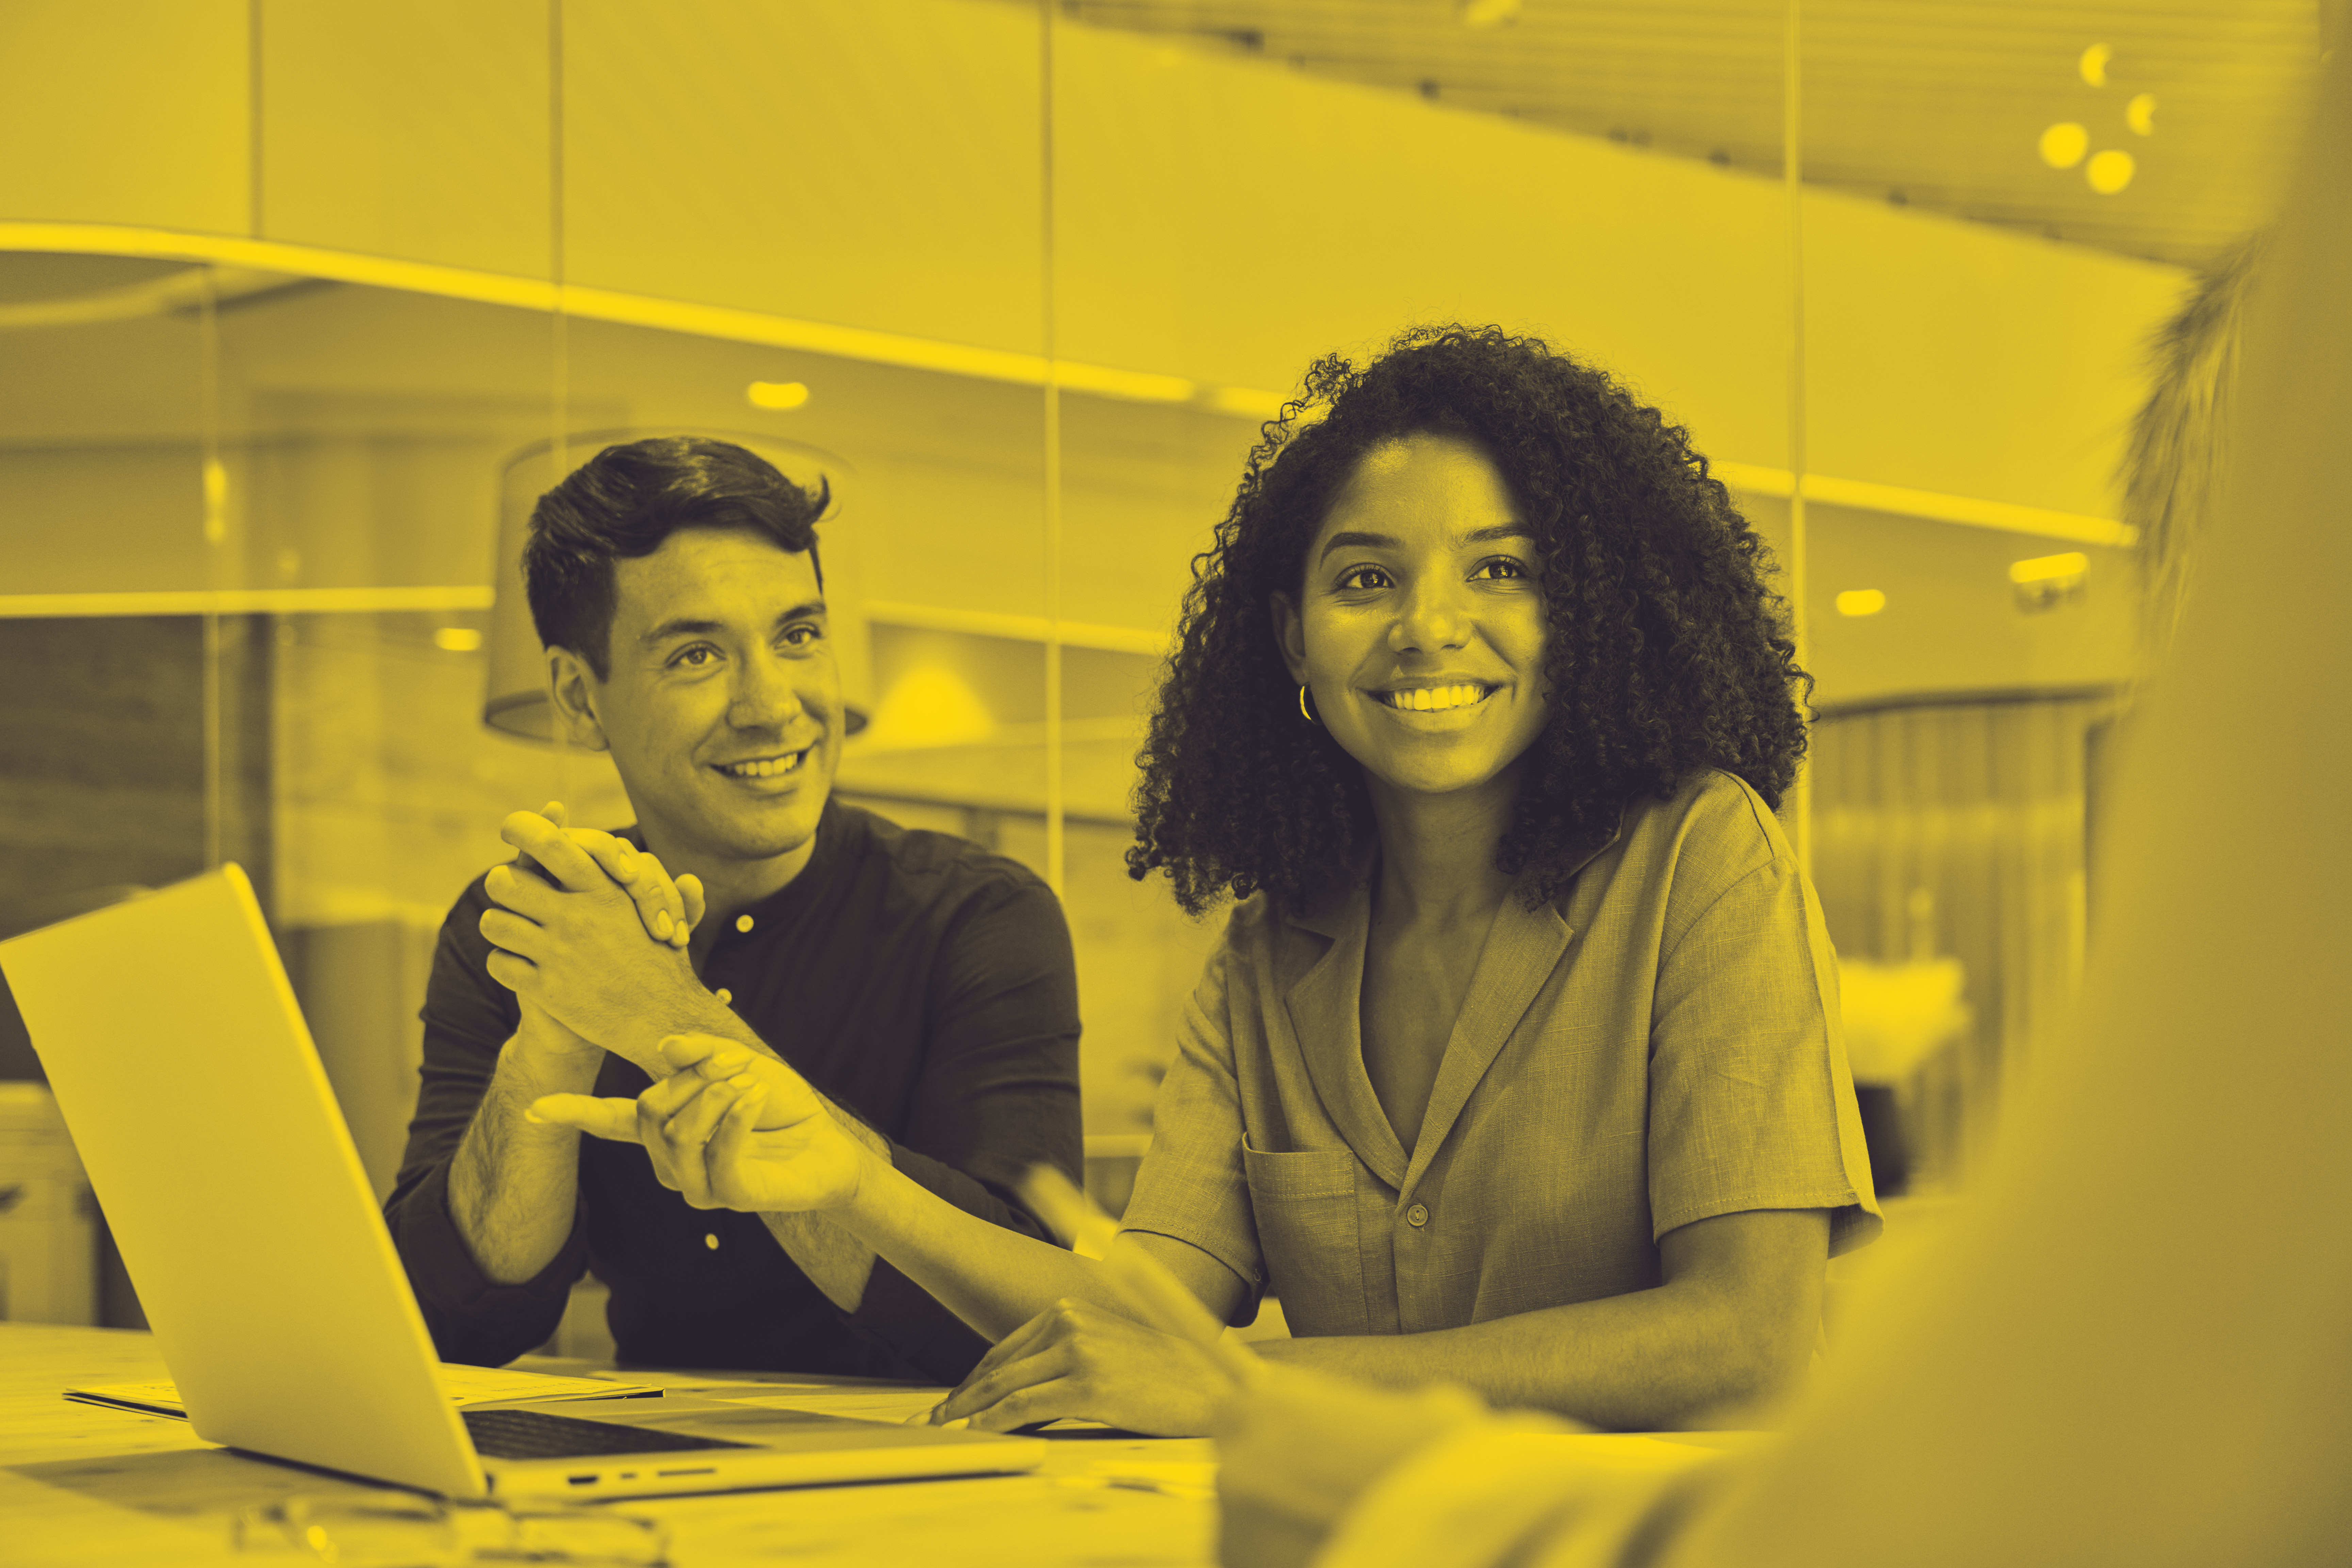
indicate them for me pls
(248, 517)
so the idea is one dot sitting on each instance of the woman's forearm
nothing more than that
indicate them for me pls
(1651, 1360)
(995, 1279)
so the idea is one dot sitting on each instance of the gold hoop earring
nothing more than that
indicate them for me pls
(1303, 713)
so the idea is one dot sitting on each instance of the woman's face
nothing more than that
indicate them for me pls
(1419, 627)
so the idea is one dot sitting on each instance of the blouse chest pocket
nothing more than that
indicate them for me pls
(1305, 1206)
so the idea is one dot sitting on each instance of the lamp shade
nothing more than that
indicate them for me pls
(515, 700)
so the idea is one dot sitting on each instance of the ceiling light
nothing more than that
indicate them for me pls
(930, 705)
(1489, 13)
(2109, 172)
(776, 393)
(2045, 582)
(2043, 568)
(1860, 602)
(458, 639)
(2140, 114)
(2093, 63)
(2064, 144)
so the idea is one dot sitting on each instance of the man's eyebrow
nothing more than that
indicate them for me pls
(687, 627)
(1353, 541)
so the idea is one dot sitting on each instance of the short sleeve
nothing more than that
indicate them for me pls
(1752, 1102)
(1192, 1186)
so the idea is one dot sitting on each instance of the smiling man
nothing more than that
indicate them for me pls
(922, 985)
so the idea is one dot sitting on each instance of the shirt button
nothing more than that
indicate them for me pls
(1416, 1216)
(725, 996)
(710, 1239)
(742, 922)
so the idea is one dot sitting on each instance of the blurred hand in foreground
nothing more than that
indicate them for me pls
(1296, 1452)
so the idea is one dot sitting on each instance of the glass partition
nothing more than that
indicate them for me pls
(135, 742)
(1024, 281)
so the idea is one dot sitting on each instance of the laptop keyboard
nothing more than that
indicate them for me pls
(535, 1434)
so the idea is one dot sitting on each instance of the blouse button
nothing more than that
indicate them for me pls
(710, 1239)
(1416, 1216)
(742, 922)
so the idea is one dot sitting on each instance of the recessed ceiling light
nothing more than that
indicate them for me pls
(2064, 144)
(1860, 602)
(2109, 172)
(776, 393)
(1489, 13)
(2140, 114)
(458, 639)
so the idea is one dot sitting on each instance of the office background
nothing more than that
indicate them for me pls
(301, 304)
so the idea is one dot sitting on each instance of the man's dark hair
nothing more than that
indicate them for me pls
(1666, 651)
(624, 501)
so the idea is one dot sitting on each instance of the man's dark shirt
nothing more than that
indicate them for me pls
(917, 980)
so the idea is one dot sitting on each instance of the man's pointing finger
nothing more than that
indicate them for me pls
(613, 1118)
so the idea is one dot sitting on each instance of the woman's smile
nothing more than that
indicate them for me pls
(1456, 700)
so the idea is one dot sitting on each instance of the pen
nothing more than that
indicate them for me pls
(1156, 1297)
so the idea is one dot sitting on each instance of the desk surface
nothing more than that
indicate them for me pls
(85, 1487)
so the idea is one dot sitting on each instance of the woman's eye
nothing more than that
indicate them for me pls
(1357, 578)
(1501, 567)
(695, 657)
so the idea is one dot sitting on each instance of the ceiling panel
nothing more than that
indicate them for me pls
(1938, 104)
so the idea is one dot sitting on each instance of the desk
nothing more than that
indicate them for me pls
(84, 1487)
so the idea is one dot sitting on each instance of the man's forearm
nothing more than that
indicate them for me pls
(514, 1184)
(1652, 1360)
(836, 1262)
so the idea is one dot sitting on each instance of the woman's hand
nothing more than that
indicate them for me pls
(1076, 1359)
(730, 1128)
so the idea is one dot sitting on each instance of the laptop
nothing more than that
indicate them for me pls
(188, 1079)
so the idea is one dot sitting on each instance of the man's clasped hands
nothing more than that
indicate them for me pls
(726, 1124)
(594, 937)
(570, 938)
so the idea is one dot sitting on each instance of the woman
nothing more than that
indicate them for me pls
(1518, 1065)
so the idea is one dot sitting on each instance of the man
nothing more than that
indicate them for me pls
(924, 986)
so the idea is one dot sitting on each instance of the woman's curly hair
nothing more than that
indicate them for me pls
(1667, 653)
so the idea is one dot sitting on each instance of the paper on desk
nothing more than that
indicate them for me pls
(1029, 1518)
(903, 1406)
(828, 1399)
(468, 1387)
(1194, 1481)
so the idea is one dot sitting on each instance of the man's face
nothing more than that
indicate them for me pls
(723, 709)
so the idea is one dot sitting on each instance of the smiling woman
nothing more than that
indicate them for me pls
(1518, 1064)
(1662, 648)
